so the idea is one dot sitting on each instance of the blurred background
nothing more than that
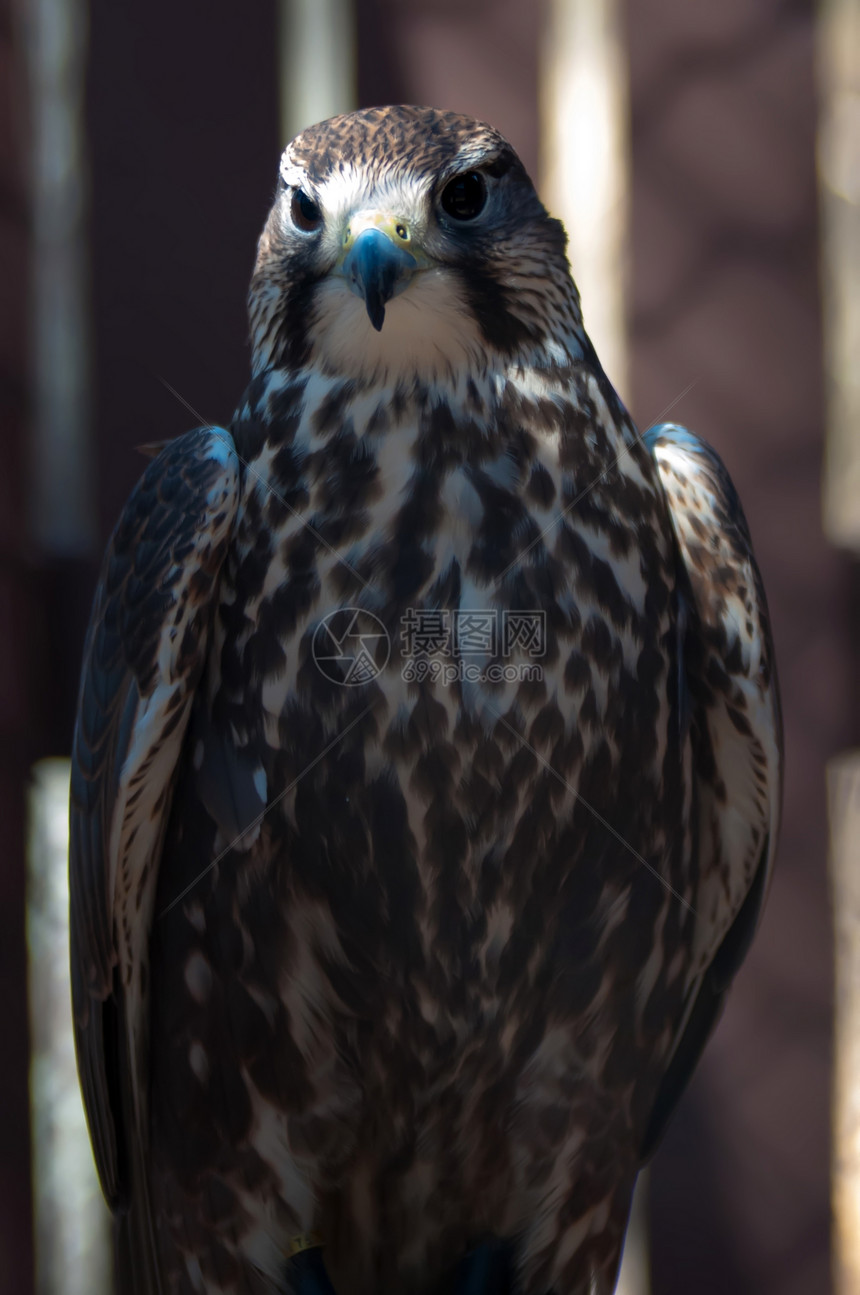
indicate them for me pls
(706, 160)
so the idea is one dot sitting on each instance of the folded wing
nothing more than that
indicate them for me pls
(145, 649)
(735, 724)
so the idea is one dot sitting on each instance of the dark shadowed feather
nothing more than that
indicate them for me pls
(142, 659)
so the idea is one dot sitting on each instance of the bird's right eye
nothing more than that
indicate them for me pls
(307, 215)
(465, 196)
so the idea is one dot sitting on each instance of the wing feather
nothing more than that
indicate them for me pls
(736, 730)
(144, 652)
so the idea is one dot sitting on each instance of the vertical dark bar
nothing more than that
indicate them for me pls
(184, 145)
(16, 1252)
(182, 141)
(725, 294)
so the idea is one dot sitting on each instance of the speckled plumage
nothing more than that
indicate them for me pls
(427, 961)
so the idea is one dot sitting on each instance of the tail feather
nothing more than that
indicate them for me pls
(134, 1252)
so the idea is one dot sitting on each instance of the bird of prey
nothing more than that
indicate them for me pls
(427, 765)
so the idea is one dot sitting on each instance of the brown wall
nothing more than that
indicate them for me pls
(183, 129)
(474, 56)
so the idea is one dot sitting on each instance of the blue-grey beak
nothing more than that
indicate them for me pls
(377, 269)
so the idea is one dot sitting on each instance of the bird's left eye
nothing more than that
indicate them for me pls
(306, 214)
(465, 196)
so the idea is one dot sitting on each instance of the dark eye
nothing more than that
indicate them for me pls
(305, 212)
(464, 197)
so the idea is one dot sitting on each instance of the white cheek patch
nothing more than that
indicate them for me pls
(351, 189)
(429, 331)
(350, 192)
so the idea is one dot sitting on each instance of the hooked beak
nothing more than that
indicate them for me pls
(377, 262)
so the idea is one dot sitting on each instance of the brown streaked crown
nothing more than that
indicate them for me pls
(397, 136)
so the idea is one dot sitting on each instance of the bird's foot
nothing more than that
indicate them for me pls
(306, 1273)
(486, 1270)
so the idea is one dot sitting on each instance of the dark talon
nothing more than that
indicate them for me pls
(486, 1270)
(307, 1274)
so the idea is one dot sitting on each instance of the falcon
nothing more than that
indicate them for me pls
(427, 765)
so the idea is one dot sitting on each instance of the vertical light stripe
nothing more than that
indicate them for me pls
(73, 1255)
(584, 161)
(317, 61)
(843, 794)
(62, 514)
(839, 180)
(634, 1278)
(839, 173)
(585, 180)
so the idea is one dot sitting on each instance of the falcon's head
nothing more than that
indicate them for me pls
(406, 241)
